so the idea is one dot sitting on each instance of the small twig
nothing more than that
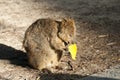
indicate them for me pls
(69, 64)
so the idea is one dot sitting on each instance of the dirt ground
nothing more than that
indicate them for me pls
(98, 36)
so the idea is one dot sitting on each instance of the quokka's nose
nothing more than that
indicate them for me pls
(65, 49)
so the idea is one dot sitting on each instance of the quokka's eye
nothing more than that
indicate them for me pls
(65, 43)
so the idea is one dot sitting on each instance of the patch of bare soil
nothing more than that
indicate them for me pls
(98, 37)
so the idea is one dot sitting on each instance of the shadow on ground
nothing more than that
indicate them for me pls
(16, 57)
(97, 78)
(60, 76)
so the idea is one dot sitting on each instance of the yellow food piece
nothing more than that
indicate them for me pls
(73, 50)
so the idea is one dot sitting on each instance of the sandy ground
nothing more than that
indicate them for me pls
(98, 36)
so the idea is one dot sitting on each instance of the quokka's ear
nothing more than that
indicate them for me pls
(69, 18)
(64, 19)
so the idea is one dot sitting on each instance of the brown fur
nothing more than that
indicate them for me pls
(45, 40)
